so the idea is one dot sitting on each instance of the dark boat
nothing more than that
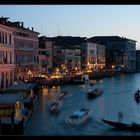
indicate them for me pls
(124, 126)
(94, 93)
(137, 96)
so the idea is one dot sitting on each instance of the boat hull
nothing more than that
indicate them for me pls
(95, 93)
(119, 125)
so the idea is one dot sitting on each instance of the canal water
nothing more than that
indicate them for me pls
(118, 95)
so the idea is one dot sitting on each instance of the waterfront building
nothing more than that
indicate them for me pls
(45, 58)
(64, 52)
(93, 56)
(120, 51)
(7, 61)
(71, 57)
(138, 60)
(25, 44)
(67, 52)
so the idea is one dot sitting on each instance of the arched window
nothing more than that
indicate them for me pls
(2, 80)
(6, 79)
(10, 39)
(5, 38)
(10, 57)
(11, 78)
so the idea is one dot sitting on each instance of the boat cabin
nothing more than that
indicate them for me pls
(10, 111)
(77, 114)
(25, 88)
(30, 93)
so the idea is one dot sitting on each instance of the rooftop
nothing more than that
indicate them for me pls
(65, 41)
(102, 39)
(9, 98)
(17, 24)
(21, 87)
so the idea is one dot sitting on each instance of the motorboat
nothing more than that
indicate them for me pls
(56, 105)
(119, 125)
(61, 95)
(79, 117)
(94, 93)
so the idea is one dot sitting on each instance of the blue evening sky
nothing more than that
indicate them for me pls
(78, 20)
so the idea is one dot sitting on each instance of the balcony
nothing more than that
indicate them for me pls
(26, 49)
(27, 63)
(7, 65)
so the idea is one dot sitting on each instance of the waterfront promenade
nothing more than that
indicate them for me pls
(69, 79)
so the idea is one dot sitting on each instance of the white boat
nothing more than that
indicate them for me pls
(79, 117)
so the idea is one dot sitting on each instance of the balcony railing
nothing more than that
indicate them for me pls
(7, 65)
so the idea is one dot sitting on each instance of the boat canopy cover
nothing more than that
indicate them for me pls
(9, 99)
(78, 114)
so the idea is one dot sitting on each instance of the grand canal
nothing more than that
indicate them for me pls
(118, 95)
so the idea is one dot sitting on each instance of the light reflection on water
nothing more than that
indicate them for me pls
(118, 95)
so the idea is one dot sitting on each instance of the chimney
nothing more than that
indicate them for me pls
(28, 28)
(4, 19)
(16, 23)
(21, 24)
(32, 29)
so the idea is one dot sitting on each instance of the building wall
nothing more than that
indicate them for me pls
(93, 56)
(56, 61)
(131, 56)
(77, 61)
(138, 60)
(7, 62)
(115, 53)
(26, 45)
(68, 58)
(124, 54)
(120, 51)
(101, 56)
(71, 57)
(45, 56)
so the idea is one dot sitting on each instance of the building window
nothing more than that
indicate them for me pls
(10, 57)
(5, 38)
(0, 38)
(10, 39)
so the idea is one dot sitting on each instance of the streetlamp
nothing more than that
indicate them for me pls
(29, 73)
(113, 67)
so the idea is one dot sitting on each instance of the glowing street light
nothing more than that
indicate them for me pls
(76, 68)
(29, 73)
(113, 67)
(57, 70)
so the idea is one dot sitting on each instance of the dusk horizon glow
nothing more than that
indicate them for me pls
(78, 20)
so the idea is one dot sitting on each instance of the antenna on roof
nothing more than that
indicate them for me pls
(42, 31)
(59, 31)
